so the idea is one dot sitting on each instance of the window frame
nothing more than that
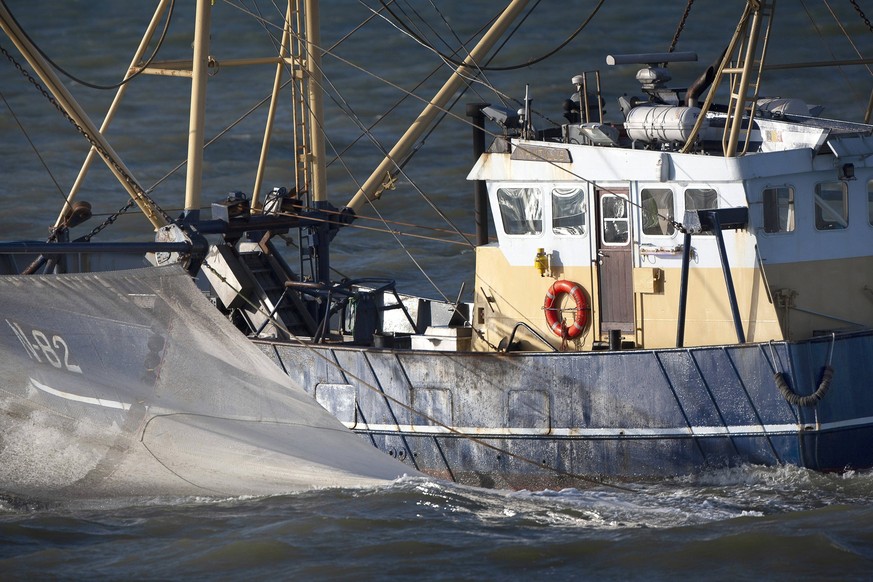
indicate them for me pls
(870, 201)
(503, 193)
(774, 212)
(671, 215)
(581, 193)
(604, 221)
(820, 223)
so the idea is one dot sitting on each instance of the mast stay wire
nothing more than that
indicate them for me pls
(462, 46)
(530, 62)
(410, 92)
(399, 164)
(329, 51)
(266, 23)
(846, 78)
(845, 32)
(479, 78)
(88, 84)
(384, 151)
(369, 134)
(365, 130)
(349, 111)
(35, 149)
(448, 112)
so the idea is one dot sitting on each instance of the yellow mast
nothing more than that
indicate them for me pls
(316, 101)
(197, 120)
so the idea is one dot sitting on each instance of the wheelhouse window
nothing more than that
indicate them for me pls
(701, 199)
(615, 222)
(870, 201)
(831, 206)
(568, 211)
(521, 210)
(657, 211)
(779, 209)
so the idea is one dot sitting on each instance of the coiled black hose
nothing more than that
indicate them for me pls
(810, 399)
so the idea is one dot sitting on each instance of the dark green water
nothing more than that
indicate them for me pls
(750, 524)
(773, 524)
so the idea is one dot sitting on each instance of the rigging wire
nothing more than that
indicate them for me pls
(381, 218)
(33, 145)
(462, 48)
(829, 46)
(530, 62)
(846, 32)
(347, 107)
(94, 85)
(400, 243)
(367, 133)
(427, 199)
(446, 112)
(478, 77)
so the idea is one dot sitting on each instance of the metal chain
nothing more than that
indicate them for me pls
(127, 178)
(110, 220)
(862, 15)
(681, 26)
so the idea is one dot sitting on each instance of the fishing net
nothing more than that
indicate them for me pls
(130, 383)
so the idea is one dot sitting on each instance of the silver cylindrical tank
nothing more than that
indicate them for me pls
(650, 123)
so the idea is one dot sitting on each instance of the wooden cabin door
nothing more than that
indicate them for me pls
(615, 261)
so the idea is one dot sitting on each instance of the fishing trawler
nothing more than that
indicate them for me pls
(685, 287)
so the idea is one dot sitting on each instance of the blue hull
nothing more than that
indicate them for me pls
(552, 420)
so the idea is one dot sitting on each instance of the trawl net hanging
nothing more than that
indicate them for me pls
(131, 383)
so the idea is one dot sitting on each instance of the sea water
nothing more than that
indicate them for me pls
(742, 523)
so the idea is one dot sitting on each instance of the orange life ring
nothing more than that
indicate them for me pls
(553, 314)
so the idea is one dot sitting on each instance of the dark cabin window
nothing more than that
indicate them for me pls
(568, 211)
(831, 206)
(870, 201)
(657, 211)
(779, 209)
(701, 199)
(521, 210)
(615, 220)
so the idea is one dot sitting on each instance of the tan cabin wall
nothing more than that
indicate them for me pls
(506, 295)
(846, 302)
(708, 320)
